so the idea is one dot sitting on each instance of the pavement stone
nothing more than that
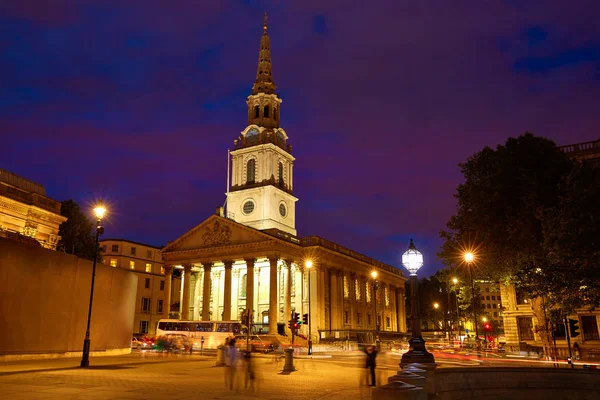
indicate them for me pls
(159, 376)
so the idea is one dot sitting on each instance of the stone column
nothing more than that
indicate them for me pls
(333, 299)
(287, 292)
(167, 298)
(250, 287)
(185, 304)
(206, 292)
(197, 295)
(273, 294)
(227, 291)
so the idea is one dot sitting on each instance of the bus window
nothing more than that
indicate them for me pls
(223, 328)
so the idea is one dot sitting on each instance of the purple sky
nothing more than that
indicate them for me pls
(137, 102)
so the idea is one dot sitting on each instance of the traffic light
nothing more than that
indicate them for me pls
(487, 327)
(296, 320)
(291, 324)
(305, 319)
(574, 327)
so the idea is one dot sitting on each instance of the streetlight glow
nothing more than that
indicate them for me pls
(454, 280)
(99, 211)
(374, 274)
(436, 305)
(308, 263)
(484, 319)
(469, 256)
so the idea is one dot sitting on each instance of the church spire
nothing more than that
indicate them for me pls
(264, 79)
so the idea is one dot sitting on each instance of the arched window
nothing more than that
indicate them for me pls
(243, 285)
(280, 173)
(266, 113)
(251, 171)
(256, 112)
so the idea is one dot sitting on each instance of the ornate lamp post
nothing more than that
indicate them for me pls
(412, 259)
(469, 257)
(375, 282)
(455, 281)
(308, 264)
(99, 211)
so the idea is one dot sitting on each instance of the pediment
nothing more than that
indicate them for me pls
(216, 232)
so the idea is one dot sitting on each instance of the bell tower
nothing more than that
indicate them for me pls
(261, 193)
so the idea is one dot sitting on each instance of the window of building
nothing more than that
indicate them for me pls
(256, 112)
(103, 248)
(131, 264)
(357, 289)
(488, 306)
(133, 251)
(590, 327)
(525, 326)
(368, 293)
(113, 262)
(495, 314)
(499, 299)
(358, 318)
(159, 306)
(493, 297)
(368, 319)
(346, 287)
(266, 112)
(388, 322)
(144, 326)
(145, 304)
(251, 171)
(115, 248)
(162, 270)
(387, 296)
(149, 253)
(243, 284)
(482, 297)
(148, 267)
(494, 305)
(147, 283)
(559, 330)
(487, 297)
(162, 285)
(280, 173)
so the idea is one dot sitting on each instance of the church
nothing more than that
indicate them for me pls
(251, 258)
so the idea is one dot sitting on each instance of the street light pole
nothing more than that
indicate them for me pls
(374, 275)
(469, 259)
(455, 281)
(308, 265)
(412, 259)
(85, 359)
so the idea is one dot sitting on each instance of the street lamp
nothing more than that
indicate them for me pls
(308, 264)
(412, 259)
(374, 275)
(436, 321)
(469, 257)
(455, 281)
(99, 212)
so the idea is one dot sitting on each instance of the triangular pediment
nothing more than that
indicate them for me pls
(216, 232)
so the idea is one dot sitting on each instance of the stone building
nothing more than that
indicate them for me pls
(250, 257)
(25, 210)
(145, 262)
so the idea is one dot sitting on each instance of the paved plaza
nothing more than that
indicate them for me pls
(168, 376)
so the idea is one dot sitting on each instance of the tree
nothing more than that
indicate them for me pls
(520, 206)
(77, 232)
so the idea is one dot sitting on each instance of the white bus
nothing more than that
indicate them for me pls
(213, 332)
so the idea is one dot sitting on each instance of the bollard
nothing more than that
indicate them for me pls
(408, 377)
(415, 370)
(398, 391)
(429, 378)
(220, 356)
(289, 360)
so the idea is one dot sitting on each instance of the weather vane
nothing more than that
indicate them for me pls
(265, 21)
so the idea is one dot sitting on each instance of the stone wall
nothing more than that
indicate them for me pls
(44, 299)
(516, 383)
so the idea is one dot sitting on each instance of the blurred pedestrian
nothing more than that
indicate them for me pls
(231, 359)
(370, 364)
(250, 376)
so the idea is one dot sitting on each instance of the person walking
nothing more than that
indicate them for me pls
(231, 363)
(371, 353)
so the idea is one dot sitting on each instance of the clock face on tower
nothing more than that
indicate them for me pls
(282, 209)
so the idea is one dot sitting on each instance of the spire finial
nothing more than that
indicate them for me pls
(265, 26)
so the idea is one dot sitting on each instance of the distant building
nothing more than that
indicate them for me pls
(587, 151)
(26, 211)
(144, 261)
(491, 305)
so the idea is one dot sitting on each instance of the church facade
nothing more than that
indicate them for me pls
(250, 258)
